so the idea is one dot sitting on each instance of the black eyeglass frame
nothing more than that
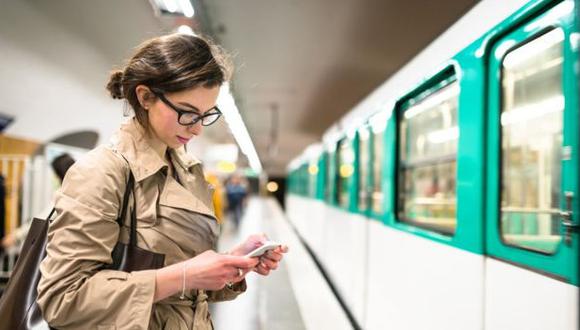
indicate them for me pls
(181, 112)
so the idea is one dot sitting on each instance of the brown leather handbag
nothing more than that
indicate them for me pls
(18, 307)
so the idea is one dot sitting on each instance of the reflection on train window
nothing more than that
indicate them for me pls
(313, 178)
(363, 168)
(345, 170)
(377, 195)
(531, 134)
(428, 148)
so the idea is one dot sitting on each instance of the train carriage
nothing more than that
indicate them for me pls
(448, 199)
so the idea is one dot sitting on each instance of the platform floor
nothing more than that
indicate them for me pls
(287, 298)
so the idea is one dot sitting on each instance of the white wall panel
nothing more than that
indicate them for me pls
(416, 283)
(345, 256)
(517, 298)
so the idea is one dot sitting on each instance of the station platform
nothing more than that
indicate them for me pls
(290, 297)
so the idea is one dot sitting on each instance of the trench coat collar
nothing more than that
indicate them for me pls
(134, 143)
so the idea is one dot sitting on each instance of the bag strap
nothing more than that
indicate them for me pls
(130, 184)
(121, 219)
(50, 215)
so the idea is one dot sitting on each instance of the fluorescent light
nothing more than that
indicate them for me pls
(174, 7)
(185, 29)
(533, 49)
(531, 111)
(434, 100)
(444, 135)
(186, 8)
(228, 106)
(170, 5)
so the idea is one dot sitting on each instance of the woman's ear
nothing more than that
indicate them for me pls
(145, 96)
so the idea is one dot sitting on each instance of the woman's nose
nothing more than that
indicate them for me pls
(196, 128)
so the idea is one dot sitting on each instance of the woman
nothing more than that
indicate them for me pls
(172, 84)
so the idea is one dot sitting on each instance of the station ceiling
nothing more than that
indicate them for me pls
(300, 64)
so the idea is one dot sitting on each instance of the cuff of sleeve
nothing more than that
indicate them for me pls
(144, 295)
(228, 292)
(238, 288)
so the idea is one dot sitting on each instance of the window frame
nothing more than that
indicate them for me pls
(447, 77)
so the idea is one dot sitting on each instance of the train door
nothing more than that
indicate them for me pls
(532, 244)
(364, 204)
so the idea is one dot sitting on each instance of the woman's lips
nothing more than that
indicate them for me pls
(182, 140)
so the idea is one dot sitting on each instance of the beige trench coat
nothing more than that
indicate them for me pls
(174, 218)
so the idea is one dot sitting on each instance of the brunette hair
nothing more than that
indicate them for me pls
(61, 164)
(168, 64)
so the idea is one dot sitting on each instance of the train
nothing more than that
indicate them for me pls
(448, 197)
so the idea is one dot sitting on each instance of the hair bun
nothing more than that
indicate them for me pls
(115, 85)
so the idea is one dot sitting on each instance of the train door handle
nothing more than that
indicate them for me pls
(567, 219)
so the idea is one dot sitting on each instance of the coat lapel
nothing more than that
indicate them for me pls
(189, 195)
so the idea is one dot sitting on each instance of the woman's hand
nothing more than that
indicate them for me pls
(251, 243)
(268, 261)
(208, 270)
(212, 271)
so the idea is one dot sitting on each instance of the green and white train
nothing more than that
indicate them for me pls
(448, 198)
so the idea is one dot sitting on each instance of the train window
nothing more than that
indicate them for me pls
(531, 134)
(428, 135)
(345, 170)
(305, 180)
(312, 178)
(303, 184)
(363, 168)
(377, 187)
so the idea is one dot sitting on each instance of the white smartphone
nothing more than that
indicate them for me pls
(269, 245)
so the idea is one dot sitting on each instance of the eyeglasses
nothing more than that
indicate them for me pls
(188, 117)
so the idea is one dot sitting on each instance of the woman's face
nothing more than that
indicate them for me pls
(163, 119)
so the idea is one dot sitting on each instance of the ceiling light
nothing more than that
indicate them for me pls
(173, 7)
(170, 5)
(272, 186)
(226, 167)
(228, 106)
(186, 8)
(185, 29)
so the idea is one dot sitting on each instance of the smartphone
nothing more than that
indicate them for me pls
(269, 245)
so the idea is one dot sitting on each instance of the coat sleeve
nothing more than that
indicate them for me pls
(74, 291)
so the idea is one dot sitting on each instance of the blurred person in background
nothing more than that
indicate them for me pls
(171, 83)
(236, 193)
(217, 196)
